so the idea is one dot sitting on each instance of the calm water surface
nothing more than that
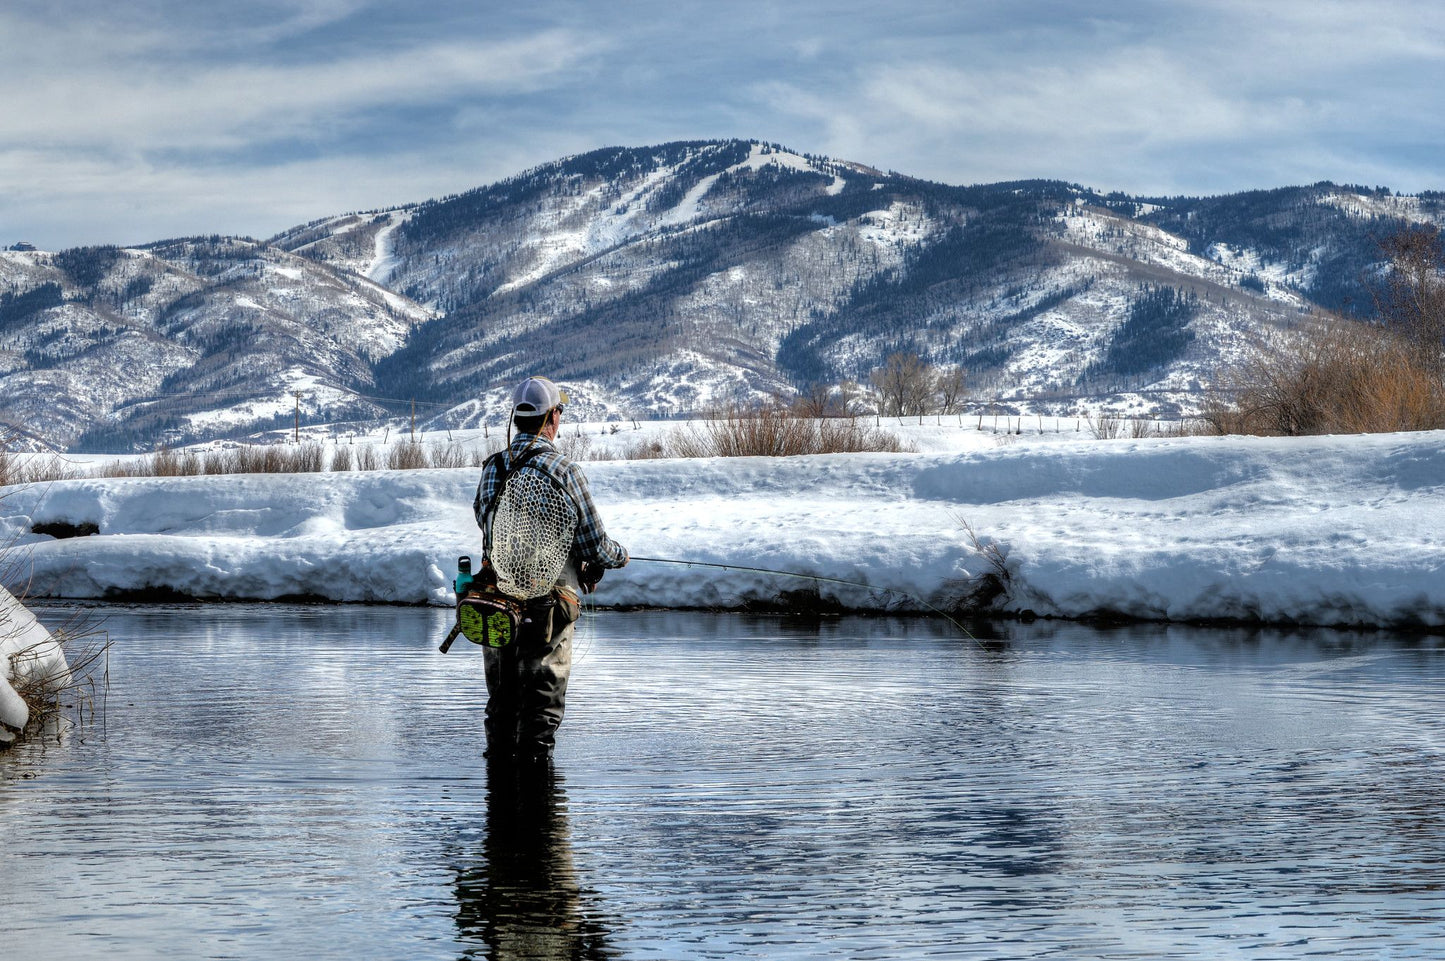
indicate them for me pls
(307, 782)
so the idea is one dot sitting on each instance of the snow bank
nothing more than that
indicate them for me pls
(30, 657)
(1314, 530)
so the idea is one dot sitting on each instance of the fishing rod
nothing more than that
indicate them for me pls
(812, 577)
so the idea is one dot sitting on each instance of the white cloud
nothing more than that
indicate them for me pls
(207, 106)
(235, 115)
(129, 200)
(1119, 96)
(1205, 99)
(1322, 35)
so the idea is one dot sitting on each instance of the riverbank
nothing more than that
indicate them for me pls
(1324, 531)
(32, 663)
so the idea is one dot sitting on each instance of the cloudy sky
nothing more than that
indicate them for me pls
(125, 122)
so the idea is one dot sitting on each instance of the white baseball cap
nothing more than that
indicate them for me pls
(537, 395)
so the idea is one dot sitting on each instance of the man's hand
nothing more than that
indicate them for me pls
(588, 575)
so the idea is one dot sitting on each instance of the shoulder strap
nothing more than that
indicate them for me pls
(517, 464)
(505, 470)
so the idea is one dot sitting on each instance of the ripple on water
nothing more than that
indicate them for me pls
(307, 781)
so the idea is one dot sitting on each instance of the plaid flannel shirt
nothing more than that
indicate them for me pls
(590, 543)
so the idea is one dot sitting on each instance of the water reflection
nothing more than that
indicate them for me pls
(307, 783)
(520, 897)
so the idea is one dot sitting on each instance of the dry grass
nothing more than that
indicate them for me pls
(776, 431)
(576, 445)
(309, 457)
(1106, 426)
(773, 431)
(1111, 427)
(31, 468)
(1184, 427)
(448, 455)
(367, 458)
(48, 696)
(1330, 377)
(408, 456)
(646, 450)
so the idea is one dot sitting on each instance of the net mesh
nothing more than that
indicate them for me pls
(532, 529)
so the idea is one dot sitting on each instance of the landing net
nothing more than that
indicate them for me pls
(532, 527)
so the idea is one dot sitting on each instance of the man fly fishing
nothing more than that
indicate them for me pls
(543, 544)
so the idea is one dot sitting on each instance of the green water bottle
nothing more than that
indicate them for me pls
(464, 575)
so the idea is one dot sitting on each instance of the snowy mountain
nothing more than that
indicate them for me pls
(664, 280)
(185, 339)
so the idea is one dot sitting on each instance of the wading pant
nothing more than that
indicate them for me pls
(527, 689)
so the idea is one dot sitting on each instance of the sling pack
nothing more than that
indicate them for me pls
(486, 614)
(488, 617)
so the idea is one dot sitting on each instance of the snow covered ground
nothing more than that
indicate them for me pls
(29, 656)
(1329, 530)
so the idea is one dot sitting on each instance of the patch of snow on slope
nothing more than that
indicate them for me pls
(314, 394)
(554, 247)
(384, 260)
(689, 208)
(1380, 206)
(1248, 263)
(692, 382)
(1245, 261)
(761, 157)
(1108, 234)
(899, 225)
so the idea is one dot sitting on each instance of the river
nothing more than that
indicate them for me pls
(300, 782)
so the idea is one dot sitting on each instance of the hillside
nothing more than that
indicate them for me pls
(188, 338)
(664, 280)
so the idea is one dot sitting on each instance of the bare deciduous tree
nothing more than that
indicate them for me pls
(949, 383)
(908, 386)
(817, 400)
(853, 397)
(1413, 298)
(904, 384)
(1331, 376)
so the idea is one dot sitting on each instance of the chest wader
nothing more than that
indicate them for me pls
(527, 679)
(528, 539)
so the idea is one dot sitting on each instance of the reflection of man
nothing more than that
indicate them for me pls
(524, 901)
(543, 542)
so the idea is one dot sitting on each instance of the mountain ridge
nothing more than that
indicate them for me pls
(659, 281)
